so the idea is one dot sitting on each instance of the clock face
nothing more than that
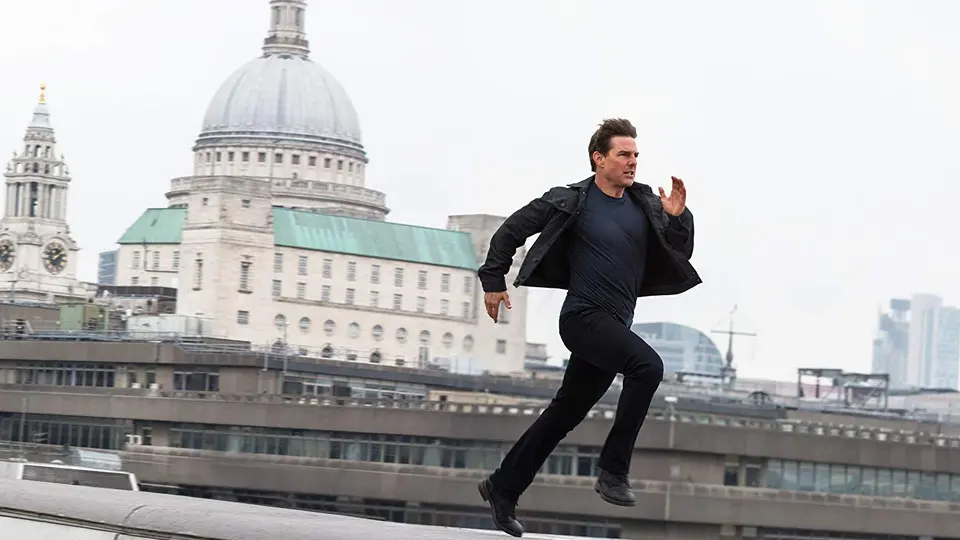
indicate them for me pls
(55, 257)
(7, 254)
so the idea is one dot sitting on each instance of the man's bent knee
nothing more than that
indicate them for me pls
(648, 367)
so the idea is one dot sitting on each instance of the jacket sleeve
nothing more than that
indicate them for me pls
(513, 233)
(679, 233)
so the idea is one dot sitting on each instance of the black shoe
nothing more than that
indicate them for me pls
(615, 489)
(502, 508)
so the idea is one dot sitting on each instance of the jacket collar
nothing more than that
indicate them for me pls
(582, 185)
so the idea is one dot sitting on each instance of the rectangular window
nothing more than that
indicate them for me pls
(277, 287)
(444, 282)
(312, 161)
(245, 276)
(375, 274)
(243, 317)
(398, 277)
(198, 274)
(302, 265)
(325, 293)
(398, 302)
(278, 262)
(301, 291)
(501, 346)
(135, 263)
(176, 260)
(466, 310)
(731, 474)
(444, 307)
(422, 280)
(351, 271)
(350, 296)
(468, 284)
(327, 268)
(156, 260)
(374, 298)
(421, 304)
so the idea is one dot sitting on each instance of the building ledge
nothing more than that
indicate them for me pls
(38, 510)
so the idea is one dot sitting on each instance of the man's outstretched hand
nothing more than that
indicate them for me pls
(492, 301)
(677, 201)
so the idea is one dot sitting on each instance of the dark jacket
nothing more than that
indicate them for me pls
(668, 268)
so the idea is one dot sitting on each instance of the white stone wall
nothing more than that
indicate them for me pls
(306, 164)
(323, 295)
(503, 344)
(227, 223)
(312, 311)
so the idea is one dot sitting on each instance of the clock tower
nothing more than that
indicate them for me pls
(38, 257)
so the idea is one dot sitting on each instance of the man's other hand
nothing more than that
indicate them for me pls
(492, 301)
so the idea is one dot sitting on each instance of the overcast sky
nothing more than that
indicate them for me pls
(817, 139)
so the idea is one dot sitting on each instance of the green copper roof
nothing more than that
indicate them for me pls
(156, 226)
(334, 234)
(378, 239)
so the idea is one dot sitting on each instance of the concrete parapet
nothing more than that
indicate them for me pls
(31, 510)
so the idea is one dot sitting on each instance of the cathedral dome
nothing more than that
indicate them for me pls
(283, 95)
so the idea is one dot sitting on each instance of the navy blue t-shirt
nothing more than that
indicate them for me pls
(607, 252)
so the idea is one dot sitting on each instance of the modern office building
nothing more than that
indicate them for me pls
(918, 343)
(890, 346)
(107, 268)
(683, 349)
(212, 419)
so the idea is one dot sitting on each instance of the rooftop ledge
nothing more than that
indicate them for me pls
(35, 510)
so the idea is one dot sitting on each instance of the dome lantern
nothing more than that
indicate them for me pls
(287, 35)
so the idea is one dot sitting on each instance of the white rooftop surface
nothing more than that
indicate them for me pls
(34, 510)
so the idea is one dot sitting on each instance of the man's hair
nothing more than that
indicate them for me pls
(609, 128)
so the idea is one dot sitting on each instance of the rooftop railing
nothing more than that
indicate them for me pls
(275, 354)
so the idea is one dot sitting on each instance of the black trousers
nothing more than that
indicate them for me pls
(600, 346)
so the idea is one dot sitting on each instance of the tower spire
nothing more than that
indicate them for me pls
(287, 34)
(41, 114)
(37, 178)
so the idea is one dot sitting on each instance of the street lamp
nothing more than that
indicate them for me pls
(671, 407)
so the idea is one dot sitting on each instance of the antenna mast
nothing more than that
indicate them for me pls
(729, 371)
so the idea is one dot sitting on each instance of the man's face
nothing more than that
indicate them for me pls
(619, 165)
